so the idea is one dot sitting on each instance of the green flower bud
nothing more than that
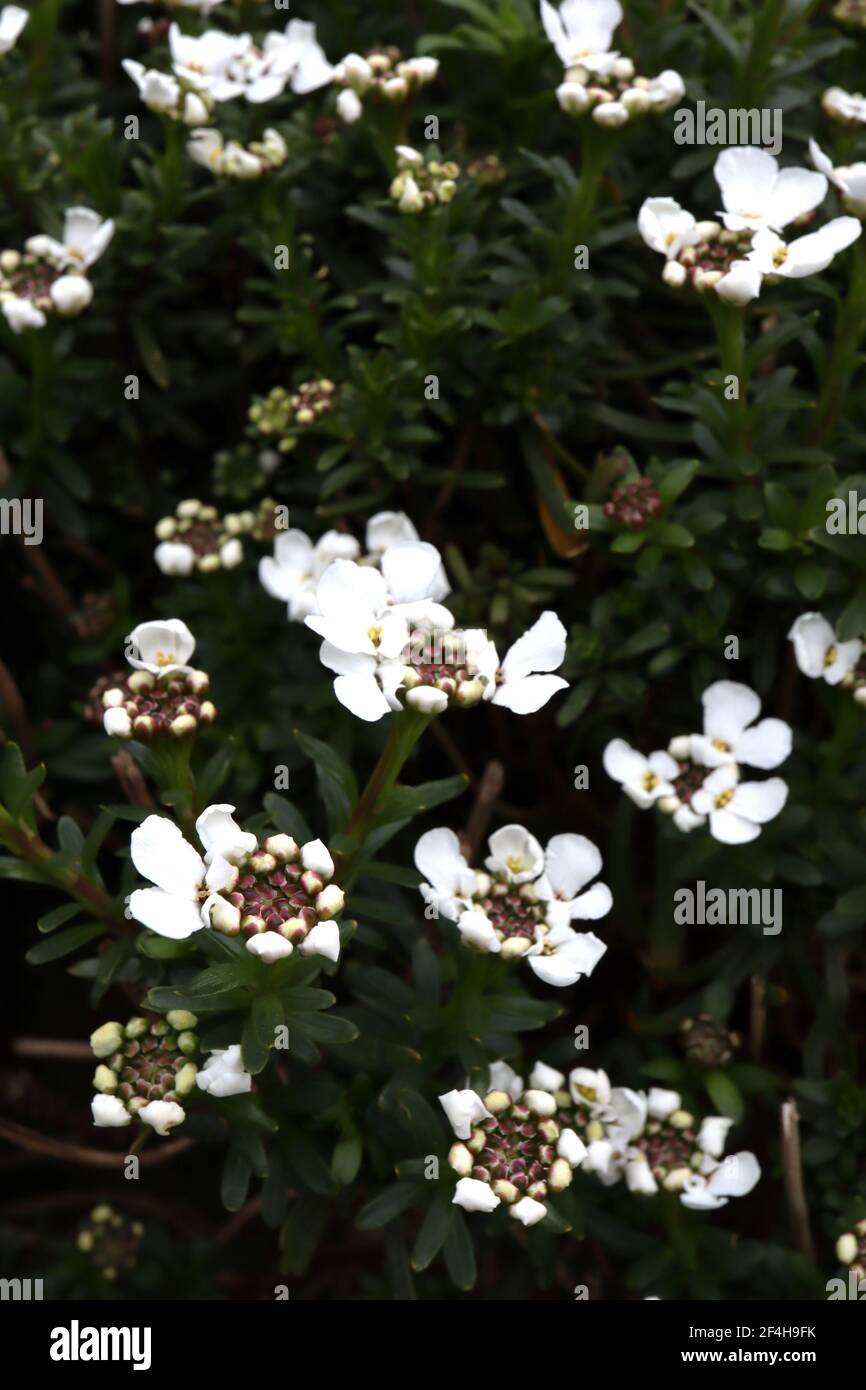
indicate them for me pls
(106, 1039)
(181, 1019)
(104, 1080)
(184, 1081)
(187, 1042)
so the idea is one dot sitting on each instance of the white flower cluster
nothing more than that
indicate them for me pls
(12, 22)
(224, 66)
(525, 902)
(164, 695)
(279, 896)
(381, 74)
(734, 256)
(163, 94)
(845, 107)
(48, 276)
(421, 182)
(697, 781)
(235, 161)
(516, 1145)
(198, 538)
(818, 653)
(386, 630)
(598, 80)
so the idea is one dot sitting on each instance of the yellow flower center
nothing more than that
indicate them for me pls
(830, 657)
(780, 255)
(588, 1092)
(649, 781)
(721, 745)
(165, 658)
(723, 798)
(375, 635)
(514, 862)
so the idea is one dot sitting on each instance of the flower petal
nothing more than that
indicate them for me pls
(165, 914)
(161, 854)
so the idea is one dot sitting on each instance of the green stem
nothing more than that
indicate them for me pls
(728, 322)
(753, 76)
(598, 145)
(25, 844)
(175, 775)
(405, 730)
(844, 358)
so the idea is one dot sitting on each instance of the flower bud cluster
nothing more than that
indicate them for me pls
(382, 75)
(441, 670)
(420, 182)
(616, 97)
(634, 504)
(34, 286)
(110, 1240)
(145, 1070)
(275, 415)
(707, 1041)
(703, 264)
(166, 96)
(281, 889)
(137, 704)
(198, 538)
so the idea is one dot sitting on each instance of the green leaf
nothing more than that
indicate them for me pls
(386, 1206)
(852, 621)
(287, 818)
(460, 1253)
(259, 1034)
(724, 1094)
(403, 803)
(346, 1159)
(433, 1233)
(58, 916)
(235, 1179)
(64, 943)
(336, 780)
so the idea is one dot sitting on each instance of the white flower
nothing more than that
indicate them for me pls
(363, 641)
(297, 53)
(415, 580)
(515, 853)
(85, 238)
(174, 557)
(590, 1088)
(757, 193)
(817, 651)
(109, 1112)
(350, 108)
(713, 1135)
(516, 684)
(735, 1176)
(729, 709)
(117, 723)
(477, 930)
(185, 890)
(224, 1074)
(666, 227)
(572, 98)
(473, 1195)
(354, 70)
(162, 648)
(610, 114)
(563, 956)
(666, 89)
(581, 32)
(222, 837)
(571, 1147)
(297, 565)
(528, 1212)
(570, 862)
(808, 254)
(504, 1078)
(737, 810)
(21, 314)
(158, 90)
(386, 529)
(12, 22)
(849, 179)
(544, 1078)
(226, 66)
(644, 779)
(450, 881)
(163, 1115)
(71, 294)
(740, 284)
(203, 62)
(269, 946)
(843, 106)
(322, 940)
(464, 1109)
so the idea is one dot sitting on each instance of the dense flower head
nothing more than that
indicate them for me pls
(224, 66)
(422, 182)
(274, 415)
(708, 1041)
(163, 695)
(278, 895)
(523, 902)
(851, 1249)
(697, 779)
(47, 277)
(382, 75)
(164, 94)
(146, 1069)
(110, 1240)
(198, 538)
(634, 504)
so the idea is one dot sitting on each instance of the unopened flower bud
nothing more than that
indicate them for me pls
(104, 1079)
(675, 1180)
(198, 682)
(140, 682)
(182, 726)
(496, 1101)
(181, 1019)
(113, 698)
(207, 712)
(106, 1039)
(461, 1160)
(560, 1176)
(506, 1191)
(514, 946)
(117, 723)
(674, 274)
(225, 917)
(315, 856)
(469, 692)
(311, 883)
(668, 805)
(681, 1119)
(427, 700)
(282, 847)
(184, 1079)
(262, 863)
(330, 901)
(847, 1248)
(187, 1043)
(165, 529)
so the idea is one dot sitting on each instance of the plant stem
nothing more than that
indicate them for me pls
(596, 150)
(844, 358)
(728, 322)
(753, 76)
(405, 730)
